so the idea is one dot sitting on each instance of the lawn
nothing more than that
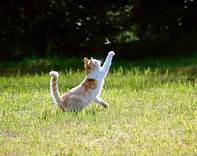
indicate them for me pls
(153, 111)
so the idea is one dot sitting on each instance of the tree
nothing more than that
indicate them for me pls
(71, 27)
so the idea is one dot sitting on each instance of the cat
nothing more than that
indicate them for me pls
(88, 90)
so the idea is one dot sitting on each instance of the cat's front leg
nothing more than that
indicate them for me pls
(100, 101)
(107, 63)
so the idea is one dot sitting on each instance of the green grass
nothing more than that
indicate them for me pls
(153, 111)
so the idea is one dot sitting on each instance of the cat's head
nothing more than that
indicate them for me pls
(91, 65)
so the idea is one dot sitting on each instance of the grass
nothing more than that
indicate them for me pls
(153, 111)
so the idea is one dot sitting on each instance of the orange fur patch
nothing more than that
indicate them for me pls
(88, 64)
(76, 100)
(66, 98)
(89, 84)
(88, 69)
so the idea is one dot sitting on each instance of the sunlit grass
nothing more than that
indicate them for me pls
(153, 111)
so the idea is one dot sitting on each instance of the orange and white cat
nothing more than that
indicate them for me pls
(88, 90)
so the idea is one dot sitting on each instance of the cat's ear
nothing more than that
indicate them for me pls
(85, 59)
(91, 60)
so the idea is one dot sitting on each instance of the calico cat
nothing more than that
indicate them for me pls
(88, 90)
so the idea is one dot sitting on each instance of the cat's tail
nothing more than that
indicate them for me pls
(54, 89)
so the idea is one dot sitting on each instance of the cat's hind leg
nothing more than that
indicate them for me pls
(100, 101)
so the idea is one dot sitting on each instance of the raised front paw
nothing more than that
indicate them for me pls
(111, 53)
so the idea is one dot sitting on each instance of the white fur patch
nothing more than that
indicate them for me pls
(54, 74)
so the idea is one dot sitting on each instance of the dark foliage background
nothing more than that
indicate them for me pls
(136, 28)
